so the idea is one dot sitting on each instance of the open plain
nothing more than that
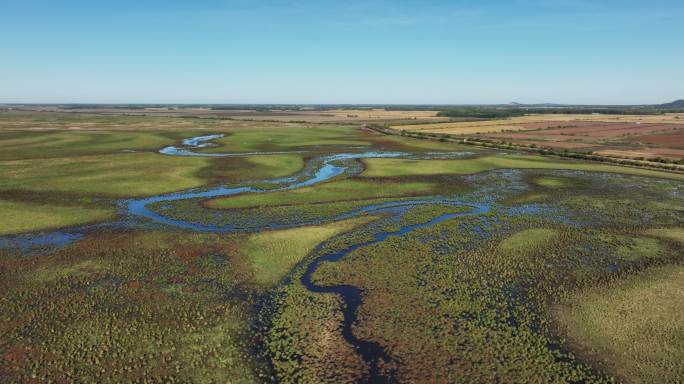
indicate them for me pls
(172, 249)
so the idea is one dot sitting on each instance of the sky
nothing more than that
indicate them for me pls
(356, 52)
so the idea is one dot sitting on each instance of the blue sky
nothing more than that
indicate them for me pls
(351, 51)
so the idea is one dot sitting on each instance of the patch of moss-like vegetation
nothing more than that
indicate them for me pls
(125, 307)
(631, 327)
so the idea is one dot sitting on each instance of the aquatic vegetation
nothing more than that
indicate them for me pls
(425, 267)
(127, 306)
(431, 298)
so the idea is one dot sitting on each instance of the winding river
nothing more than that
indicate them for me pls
(317, 170)
(146, 211)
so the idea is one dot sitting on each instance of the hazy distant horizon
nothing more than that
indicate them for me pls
(616, 52)
(199, 104)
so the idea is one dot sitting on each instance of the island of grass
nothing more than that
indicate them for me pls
(631, 327)
(335, 191)
(407, 167)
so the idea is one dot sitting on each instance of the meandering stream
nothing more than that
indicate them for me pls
(318, 170)
(329, 167)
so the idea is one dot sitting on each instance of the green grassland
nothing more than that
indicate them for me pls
(288, 139)
(674, 234)
(552, 182)
(50, 144)
(266, 167)
(406, 167)
(125, 175)
(411, 144)
(524, 242)
(273, 253)
(23, 217)
(68, 184)
(634, 326)
(232, 170)
(350, 189)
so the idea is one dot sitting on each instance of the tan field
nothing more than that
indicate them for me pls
(629, 136)
(466, 127)
(524, 123)
(530, 122)
(645, 153)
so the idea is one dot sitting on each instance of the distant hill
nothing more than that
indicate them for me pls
(675, 104)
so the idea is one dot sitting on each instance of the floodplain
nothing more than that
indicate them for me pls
(322, 251)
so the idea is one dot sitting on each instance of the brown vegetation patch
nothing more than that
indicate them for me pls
(673, 140)
(555, 144)
(562, 124)
(594, 130)
(646, 153)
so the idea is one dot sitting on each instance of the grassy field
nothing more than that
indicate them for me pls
(278, 139)
(675, 234)
(125, 175)
(233, 170)
(406, 167)
(633, 327)
(23, 217)
(51, 144)
(524, 241)
(272, 254)
(552, 182)
(329, 192)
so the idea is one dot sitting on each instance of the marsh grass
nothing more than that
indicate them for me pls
(123, 175)
(467, 300)
(20, 217)
(552, 182)
(273, 253)
(674, 234)
(404, 167)
(336, 191)
(53, 144)
(631, 327)
(130, 307)
(294, 138)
